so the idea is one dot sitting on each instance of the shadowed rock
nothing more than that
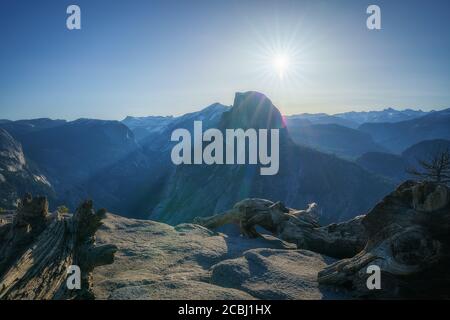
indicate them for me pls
(406, 235)
(408, 239)
(36, 250)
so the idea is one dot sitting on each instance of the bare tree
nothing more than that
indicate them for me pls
(437, 169)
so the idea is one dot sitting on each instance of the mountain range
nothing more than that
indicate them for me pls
(389, 115)
(305, 175)
(332, 138)
(354, 119)
(125, 166)
(352, 134)
(400, 135)
(396, 166)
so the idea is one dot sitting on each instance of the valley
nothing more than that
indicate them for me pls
(323, 159)
(173, 227)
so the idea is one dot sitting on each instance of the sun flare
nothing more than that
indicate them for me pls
(281, 64)
(281, 58)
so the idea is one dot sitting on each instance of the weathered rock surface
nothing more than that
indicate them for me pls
(36, 250)
(158, 261)
(275, 274)
(409, 240)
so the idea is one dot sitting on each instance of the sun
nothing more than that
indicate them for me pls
(281, 64)
(281, 58)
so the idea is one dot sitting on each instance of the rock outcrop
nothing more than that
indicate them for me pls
(406, 236)
(409, 240)
(275, 274)
(252, 110)
(17, 176)
(37, 249)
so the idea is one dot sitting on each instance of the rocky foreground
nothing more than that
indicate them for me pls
(188, 261)
(406, 235)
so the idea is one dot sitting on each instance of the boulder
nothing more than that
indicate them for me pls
(408, 240)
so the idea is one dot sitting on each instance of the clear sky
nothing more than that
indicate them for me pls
(171, 57)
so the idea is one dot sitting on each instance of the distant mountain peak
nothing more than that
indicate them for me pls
(213, 110)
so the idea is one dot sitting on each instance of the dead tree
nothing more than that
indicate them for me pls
(37, 249)
(300, 227)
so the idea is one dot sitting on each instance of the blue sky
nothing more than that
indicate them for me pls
(171, 57)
